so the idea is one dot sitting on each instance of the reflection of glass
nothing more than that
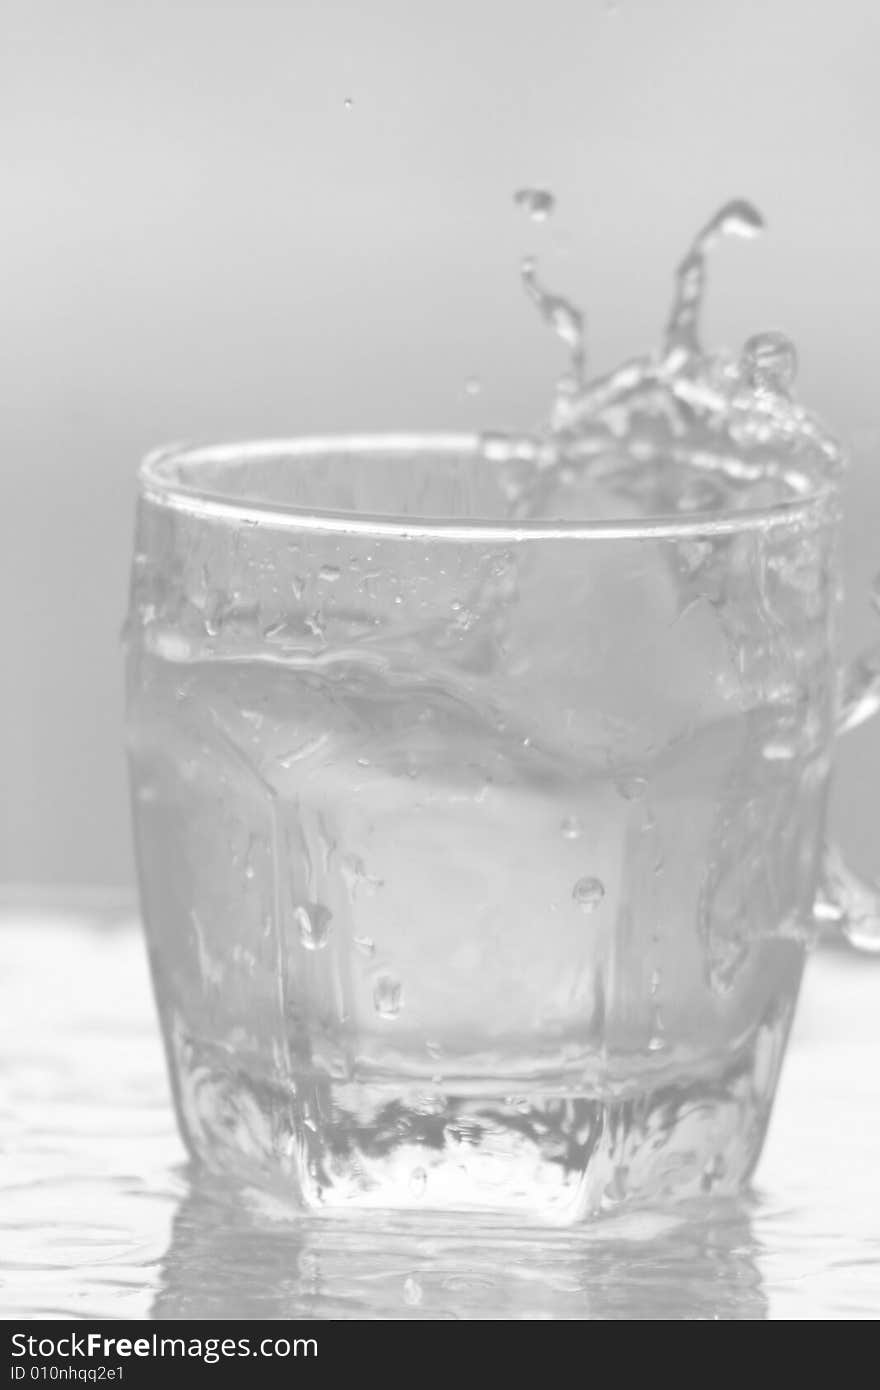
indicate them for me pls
(477, 857)
(224, 1263)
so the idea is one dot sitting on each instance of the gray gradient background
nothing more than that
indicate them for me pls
(199, 240)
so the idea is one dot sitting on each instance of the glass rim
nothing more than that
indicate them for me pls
(158, 486)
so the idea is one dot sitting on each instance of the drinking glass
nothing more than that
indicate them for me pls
(478, 858)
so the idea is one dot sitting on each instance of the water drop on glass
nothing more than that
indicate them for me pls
(588, 893)
(778, 751)
(633, 788)
(387, 996)
(313, 924)
(537, 202)
(412, 1292)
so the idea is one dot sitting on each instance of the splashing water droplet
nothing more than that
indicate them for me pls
(571, 828)
(537, 202)
(736, 218)
(418, 1181)
(564, 318)
(769, 363)
(387, 996)
(313, 924)
(588, 893)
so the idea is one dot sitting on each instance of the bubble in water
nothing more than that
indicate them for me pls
(366, 945)
(313, 924)
(588, 893)
(713, 1172)
(537, 202)
(418, 1181)
(769, 363)
(693, 554)
(329, 574)
(571, 828)
(387, 996)
(412, 1292)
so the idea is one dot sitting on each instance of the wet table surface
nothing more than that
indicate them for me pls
(100, 1215)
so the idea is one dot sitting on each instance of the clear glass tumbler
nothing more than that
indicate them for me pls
(478, 858)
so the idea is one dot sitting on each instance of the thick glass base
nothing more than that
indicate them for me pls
(545, 1155)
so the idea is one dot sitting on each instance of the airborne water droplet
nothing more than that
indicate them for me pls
(571, 828)
(313, 924)
(537, 202)
(473, 386)
(564, 318)
(736, 218)
(412, 1292)
(387, 996)
(769, 363)
(588, 893)
(418, 1181)
(348, 103)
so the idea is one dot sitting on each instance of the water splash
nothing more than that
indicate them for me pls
(676, 430)
(736, 218)
(564, 318)
(769, 363)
